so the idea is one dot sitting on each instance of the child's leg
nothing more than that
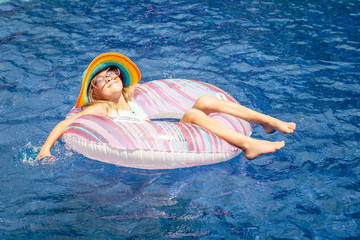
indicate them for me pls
(270, 124)
(252, 148)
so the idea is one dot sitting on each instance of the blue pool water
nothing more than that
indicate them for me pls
(295, 60)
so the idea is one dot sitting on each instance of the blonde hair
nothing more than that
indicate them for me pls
(126, 92)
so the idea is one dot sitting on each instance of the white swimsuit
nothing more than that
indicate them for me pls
(136, 113)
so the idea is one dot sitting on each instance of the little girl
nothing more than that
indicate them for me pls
(107, 87)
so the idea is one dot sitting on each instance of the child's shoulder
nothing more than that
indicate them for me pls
(97, 108)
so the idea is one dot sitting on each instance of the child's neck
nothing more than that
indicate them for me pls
(122, 104)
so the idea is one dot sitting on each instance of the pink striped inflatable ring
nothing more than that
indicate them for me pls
(156, 144)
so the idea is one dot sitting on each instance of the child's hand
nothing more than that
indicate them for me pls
(133, 87)
(43, 154)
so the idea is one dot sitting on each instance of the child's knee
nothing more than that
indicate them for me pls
(190, 116)
(204, 103)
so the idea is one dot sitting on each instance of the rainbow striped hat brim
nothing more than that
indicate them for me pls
(130, 74)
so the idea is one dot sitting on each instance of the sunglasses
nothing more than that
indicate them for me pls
(110, 74)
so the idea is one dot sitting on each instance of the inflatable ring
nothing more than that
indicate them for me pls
(160, 143)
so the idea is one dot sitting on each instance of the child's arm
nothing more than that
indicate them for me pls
(58, 130)
(132, 89)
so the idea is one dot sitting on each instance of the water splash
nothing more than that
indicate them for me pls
(28, 154)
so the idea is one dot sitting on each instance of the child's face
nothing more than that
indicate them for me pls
(107, 84)
(103, 77)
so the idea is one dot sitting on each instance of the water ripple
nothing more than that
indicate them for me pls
(298, 61)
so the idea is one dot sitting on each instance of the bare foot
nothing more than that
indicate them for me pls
(275, 124)
(260, 147)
